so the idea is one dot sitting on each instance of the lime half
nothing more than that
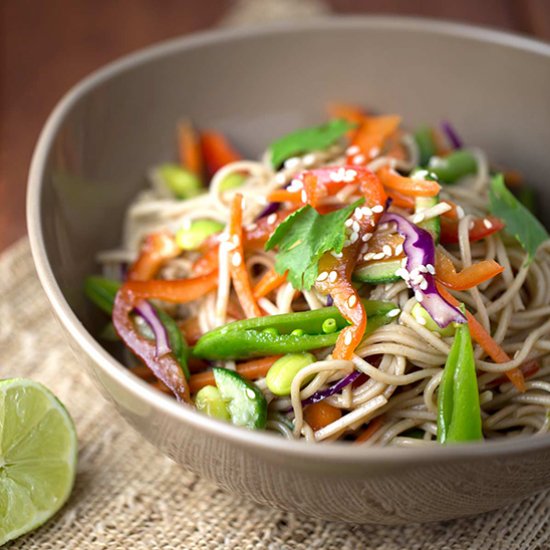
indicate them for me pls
(38, 453)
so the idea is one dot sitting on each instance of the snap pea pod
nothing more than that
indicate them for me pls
(273, 335)
(454, 166)
(426, 145)
(459, 413)
(101, 291)
(178, 345)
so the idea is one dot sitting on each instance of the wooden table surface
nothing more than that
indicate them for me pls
(46, 46)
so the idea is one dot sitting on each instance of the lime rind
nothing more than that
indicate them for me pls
(38, 456)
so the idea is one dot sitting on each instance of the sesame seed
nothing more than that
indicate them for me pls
(378, 256)
(418, 295)
(250, 393)
(366, 237)
(280, 177)
(352, 300)
(309, 159)
(271, 219)
(229, 246)
(487, 223)
(337, 255)
(350, 175)
(353, 150)
(355, 226)
(349, 222)
(378, 209)
(394, 312)
(322, 276)
(420, 175)
(353, 237)
(368, 256)
(399, 249)
(418, 218)
(366, 211)
(421, 321)
(336, 177)
(431, 269)
(295, 185)
(332, 276)
(223, 237)
(386, 249)
(236, 239)
(252, 226)
(403, 273)
(292, 162)
(347, 338)
(304, 196)
(424, 285)
(358, 214)
(358, 159)
(422, 269)
(236, 259)
(374, 152)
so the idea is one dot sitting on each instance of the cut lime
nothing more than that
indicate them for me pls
(38, 453)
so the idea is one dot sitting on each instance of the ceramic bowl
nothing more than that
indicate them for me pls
(255, 85)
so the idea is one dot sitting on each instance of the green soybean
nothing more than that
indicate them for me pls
(209, 400)
(183, 183)
(190, 238)
(232, 181)
(281, 374)
(297, 332)
(329, 326)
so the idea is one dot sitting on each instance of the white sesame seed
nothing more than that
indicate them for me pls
(394, 312)
(347, 338)
(352, 300)
(422, 269)
(352, 150)
(366, 211)
(332, 276)
(423, 285)
(347, 242)
(295, 185)
(292, 162)
(358, 159)
(378, 256)
(358, 214)
(337, 255)
(350, 175)
(368, 256)
(309, 159)
(403, 273)
(418, 295)
(418, 218)
(366, 237)
(252, 226)
(487, 223)
(322, 276)
(250, 393)
(355, 226)
(378, 209)
(386, 249)
(280, 177)
(374, 152)
(229, 246)
(271, 219)
(420, 175)
(349, 222)
(236, 259)
(431, 269)
(421, 320)
(304, 196)
(353, 237)
(399, 249)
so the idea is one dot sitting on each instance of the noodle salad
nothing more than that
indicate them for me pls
(360, 283)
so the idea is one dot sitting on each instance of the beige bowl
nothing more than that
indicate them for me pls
(256, 84)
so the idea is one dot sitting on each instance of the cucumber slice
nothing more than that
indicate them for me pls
(378, 273)
(433, 225)
(245, 402)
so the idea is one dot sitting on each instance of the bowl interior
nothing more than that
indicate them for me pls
(257, 85)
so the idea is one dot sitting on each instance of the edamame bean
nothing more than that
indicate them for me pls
(183, 183)
(190, 238)
(209, 400)
(329, 325)
(282, 372)
(232, 181)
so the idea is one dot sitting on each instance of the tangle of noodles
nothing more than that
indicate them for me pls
(402, 361)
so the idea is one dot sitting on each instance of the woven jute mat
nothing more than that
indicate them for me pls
(128, 495)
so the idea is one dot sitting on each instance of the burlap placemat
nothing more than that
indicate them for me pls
(127, 495)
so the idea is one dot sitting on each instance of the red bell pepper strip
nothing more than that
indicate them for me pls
(407, 186)
(469, 277)
(155, 250)
(165, 367)
(217, 151)
(370, 138)
(335, 273)
(237, 266)
(482, 228)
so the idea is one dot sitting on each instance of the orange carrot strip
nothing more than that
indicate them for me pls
(270, 281)
(374, 425)
(408, 186)
(467, 278)
(321, 414)
(313, 193)
(348, 112)
(485, 340)
(237, 266)
(282, 195)
(189, 148)
(155, 250)
(373, 133)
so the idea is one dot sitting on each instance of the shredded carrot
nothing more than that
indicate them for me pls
(189, 148)
(155, 250)
(237, 266)
(348, 112)
(373, 133)
(321, 414)
(311, 188)
(407, 186)
(270, 281)
(486, 341)
(282, 195)
(251, 370)
(374, 425)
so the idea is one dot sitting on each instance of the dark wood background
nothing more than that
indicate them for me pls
(46, 46)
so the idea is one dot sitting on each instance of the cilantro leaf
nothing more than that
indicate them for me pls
(304, 237)
(520, 223)
(308, 139)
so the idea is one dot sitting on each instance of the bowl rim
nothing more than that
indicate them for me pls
(336, 452)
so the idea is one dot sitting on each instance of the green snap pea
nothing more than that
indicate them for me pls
(281, 374)
(183, 183)
(190, 238)
(101, 291)
(459, 413)
(232, 181)
(209, 401)
(454, 166)
(426, 145)
(178, 345)
(248, 338)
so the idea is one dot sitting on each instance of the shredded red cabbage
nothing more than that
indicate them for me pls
(331, 390)
(147, 311)
(452, 135)
(418, 271)
(271, 208)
